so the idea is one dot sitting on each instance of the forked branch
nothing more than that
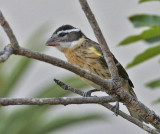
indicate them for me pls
(4, 55)
(126, 98)
(8, 31)
(110, 107)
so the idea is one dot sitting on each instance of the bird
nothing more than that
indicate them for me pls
(86, 53)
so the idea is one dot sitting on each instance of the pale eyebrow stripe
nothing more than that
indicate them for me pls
(68, 31)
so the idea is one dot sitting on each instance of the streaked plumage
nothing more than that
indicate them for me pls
(83, 52)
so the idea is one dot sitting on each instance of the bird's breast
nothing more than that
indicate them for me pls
(75, 57)
(87, 58)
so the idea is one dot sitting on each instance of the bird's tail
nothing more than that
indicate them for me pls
(133, 113)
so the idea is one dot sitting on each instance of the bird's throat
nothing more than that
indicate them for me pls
(66, 47)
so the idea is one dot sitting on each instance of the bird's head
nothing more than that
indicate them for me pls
(65, 37)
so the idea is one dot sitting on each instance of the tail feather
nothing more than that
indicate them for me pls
(133, 113)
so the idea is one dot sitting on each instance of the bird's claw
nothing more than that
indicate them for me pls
(116, 107)
(88, 93)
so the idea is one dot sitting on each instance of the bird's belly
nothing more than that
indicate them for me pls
(91, 65)
(89, 62)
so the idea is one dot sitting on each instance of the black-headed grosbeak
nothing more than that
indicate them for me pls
(83, 52)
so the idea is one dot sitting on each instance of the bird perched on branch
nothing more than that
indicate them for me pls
(87, 54)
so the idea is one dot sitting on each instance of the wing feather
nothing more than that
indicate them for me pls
(122, 72)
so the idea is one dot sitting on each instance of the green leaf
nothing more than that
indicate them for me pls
(153, 84)
(147, 34)
(153, 39)
(141, 1)
(146, 55)
(142, 20)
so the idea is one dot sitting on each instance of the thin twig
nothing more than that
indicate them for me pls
(105, 104)
(104, 47)
(8, 31)
(4, 55)
(66, 87)
(75, 90)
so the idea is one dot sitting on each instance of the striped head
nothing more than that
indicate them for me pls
(65, 36)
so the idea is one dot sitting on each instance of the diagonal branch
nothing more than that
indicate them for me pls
(8, 31)
(104, 47)
(127, 99)
(66, 65)
(4, 55)
(108, 106)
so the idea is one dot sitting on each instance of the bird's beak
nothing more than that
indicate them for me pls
(52, 42)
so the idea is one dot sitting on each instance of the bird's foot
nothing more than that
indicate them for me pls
(88, 93)
(116, 108)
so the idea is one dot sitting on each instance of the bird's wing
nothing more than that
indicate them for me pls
(122, 72)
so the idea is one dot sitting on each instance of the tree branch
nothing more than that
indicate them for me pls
(8, 31)
(55, 101)
(104, 47)
(66, 65)
(125, 97)
(110, 107)
(4, 55)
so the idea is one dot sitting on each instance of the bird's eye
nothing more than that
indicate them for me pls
(62, 34)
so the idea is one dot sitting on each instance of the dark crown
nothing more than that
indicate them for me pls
(64, 27)
(72, 32)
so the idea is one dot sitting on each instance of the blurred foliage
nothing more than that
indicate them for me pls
(34, 119)
(144, 20)
(144, 56)
(23, 63)
(151, 36)
(141, 1)
(154, 84)
(148, 34)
